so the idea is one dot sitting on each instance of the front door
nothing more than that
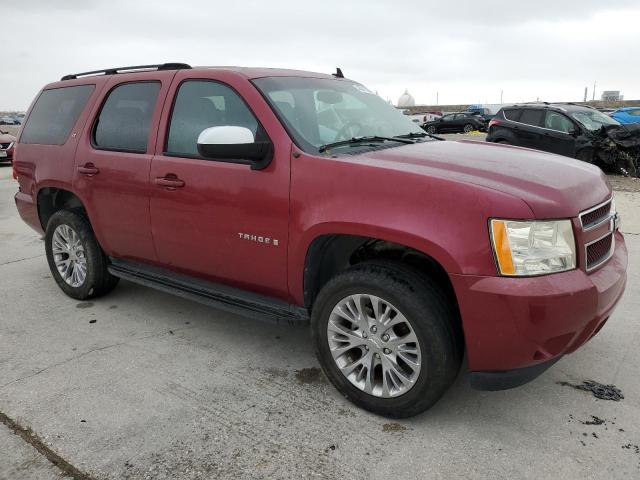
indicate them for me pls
(213, 219)
(557, 136)
(113, 160)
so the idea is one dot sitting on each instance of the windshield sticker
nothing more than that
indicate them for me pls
(362, 88)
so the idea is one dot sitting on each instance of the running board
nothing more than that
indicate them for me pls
(216, 295)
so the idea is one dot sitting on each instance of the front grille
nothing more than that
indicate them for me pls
(595, 216)
(599, 251)
(4, 145)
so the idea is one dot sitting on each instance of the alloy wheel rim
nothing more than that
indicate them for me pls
(69, 255)
(374, 345)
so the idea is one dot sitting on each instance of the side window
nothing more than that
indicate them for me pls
(635, 113)
(55, 113)
(124, 121)
(512, 114)
(201, 104)
(557, 121)
(532, 117)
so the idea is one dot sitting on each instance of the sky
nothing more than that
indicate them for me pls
(457, 52)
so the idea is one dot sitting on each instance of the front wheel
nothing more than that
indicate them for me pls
(386, 338)
(431, 129)
(76, 261)
(468, 128)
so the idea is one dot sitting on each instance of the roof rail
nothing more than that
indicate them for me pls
(113, 71)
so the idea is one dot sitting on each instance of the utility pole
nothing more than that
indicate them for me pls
(585, 94)
(594, 90)
(437, 98)
(501, 92)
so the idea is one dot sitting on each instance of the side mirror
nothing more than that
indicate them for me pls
(573, 132)
(235, 144)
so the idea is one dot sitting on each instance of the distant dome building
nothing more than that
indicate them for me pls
(406, 100)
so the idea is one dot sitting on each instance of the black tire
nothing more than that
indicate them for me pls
(433, 318)
(468, 128)
(431, 129)
(503, 141)
(98, 280)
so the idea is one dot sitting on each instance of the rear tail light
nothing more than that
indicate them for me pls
(493, 122)
(13, 161)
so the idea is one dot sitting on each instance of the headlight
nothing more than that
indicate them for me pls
(524, 248)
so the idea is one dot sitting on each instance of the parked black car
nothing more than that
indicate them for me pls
(571, 130)
(456, 122)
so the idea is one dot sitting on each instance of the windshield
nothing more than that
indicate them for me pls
(593, 119)
(321, 111)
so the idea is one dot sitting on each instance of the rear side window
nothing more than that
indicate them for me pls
(124, 121)
(532, 117)
(635, 113)
(512, 114)
(201, 104)
(54, 114)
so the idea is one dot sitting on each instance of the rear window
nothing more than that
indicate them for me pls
(54, 114)
(125, 119)
(512, 114)
(532, 117)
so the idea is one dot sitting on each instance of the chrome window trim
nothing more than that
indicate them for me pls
(605, 258)
(600, 222)
(536, 126)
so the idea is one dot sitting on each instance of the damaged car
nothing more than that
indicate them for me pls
(571, 130)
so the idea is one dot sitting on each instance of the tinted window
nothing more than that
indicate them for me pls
(557, 121)
(512, 114)
(201, 104)
(532, 117)
(635, 113)
(125, 118)
(54, 115)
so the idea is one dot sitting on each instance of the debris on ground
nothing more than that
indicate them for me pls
(594, 421)
(603, 392)
(393, 427)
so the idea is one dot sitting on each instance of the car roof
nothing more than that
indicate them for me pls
(564, 107)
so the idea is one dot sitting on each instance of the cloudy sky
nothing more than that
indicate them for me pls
(464, 51)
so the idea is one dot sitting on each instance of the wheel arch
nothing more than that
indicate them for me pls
(51, 199)
(331, 253)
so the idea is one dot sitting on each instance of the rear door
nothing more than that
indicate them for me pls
(113, 161)
(219, 220)
(529, 132)
(557, 135)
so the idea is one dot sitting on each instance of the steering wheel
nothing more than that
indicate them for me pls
(343, 132)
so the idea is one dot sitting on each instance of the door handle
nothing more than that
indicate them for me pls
(170, 182)
(89, 169)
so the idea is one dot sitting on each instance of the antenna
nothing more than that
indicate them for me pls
(338, 73)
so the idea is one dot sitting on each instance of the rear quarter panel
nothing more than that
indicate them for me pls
(40, 166)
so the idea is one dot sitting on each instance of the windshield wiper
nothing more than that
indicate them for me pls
(419, 135)
(359, 140)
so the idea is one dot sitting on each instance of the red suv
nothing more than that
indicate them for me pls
(297, 196)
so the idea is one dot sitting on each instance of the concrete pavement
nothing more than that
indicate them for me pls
(159, 387)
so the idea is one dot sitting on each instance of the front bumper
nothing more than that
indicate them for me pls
(515, 323)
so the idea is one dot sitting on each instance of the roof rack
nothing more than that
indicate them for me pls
(113, 71)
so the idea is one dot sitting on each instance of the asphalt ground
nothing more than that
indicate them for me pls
(143, 385)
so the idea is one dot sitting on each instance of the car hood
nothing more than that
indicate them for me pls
(553, 186)
(6, 138)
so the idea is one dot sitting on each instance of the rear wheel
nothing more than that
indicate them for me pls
(386, 338)
(468, 128)
(76, 261)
